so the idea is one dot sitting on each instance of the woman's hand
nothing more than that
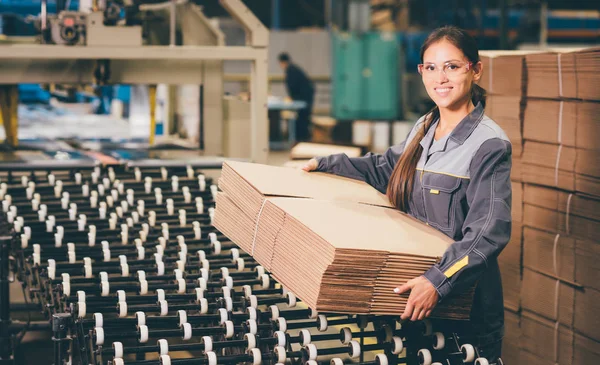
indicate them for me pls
(423, 298)
(311, 165)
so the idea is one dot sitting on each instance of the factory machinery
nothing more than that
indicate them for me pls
(170, 42)
(124, 262)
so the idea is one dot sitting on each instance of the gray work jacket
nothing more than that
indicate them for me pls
(462, 187)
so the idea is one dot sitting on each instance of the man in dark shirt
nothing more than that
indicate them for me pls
(299, 87)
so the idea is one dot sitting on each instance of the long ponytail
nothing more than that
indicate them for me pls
(401, 182)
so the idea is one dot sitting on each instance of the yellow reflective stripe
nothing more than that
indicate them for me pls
(457, 266)
(442, 173)
(434, 191)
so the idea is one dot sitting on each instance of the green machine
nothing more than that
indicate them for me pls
(366, 76)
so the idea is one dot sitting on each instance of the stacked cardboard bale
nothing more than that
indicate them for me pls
(560, 293)
(557, 160)
(504, 79)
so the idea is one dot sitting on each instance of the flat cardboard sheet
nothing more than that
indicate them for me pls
(343, 255)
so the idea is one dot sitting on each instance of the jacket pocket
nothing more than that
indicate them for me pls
(440, 195)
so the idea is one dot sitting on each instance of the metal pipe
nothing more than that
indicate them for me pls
(173, 23)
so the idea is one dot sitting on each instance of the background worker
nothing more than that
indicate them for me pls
(299, 87)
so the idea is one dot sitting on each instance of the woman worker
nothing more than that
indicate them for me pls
(453, 173)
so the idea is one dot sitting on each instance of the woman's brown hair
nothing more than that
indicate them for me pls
(401, 182)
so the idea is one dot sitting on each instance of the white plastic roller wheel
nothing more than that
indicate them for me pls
(229, 329)
(439, 341)
(203, 306)
(223, 316)
(143, 287)
(346, 335)
(216, 246)
(274, 312)
(437, 363)
(182, 317)
(381, 359)
(260, 271)
(226, 292)
(163, 346)
(228, 303)
(66, 284)
(202, 283)
(282, 324)
(482, 361)
(143, 334)
(281, 354)
(181, 286)
(311, 351)
(229, 282)
(235, 254)
(256, 356)
(141, 318)
(121, 296)
(251, 339)
(281, 338)
(99, 320)
(252, 326)
(424, 357)
(322, 323)
(118, 361)
(118, 348)
(313, 313)
(104, 288)
(165, 360)
(311, 362)
(99, 332)
(164, 307)
(252, 313)
(187, 331)
(87, 271)
(241, 264)
(305, 336)
(81, 309)
(253, 301)
(336, 361)
(204, 274)
(207, 342)
(211, 357)
(247, 290)
(122, 307)
(225, 272)
(265, 281)
(468, 352)
(160, 294)
(354, 349)
(160, 268)
(51, 269)
(291, 300)
(398, 345)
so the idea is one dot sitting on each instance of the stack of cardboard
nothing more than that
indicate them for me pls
(298, 226)
(560, 293)
(504, 78)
